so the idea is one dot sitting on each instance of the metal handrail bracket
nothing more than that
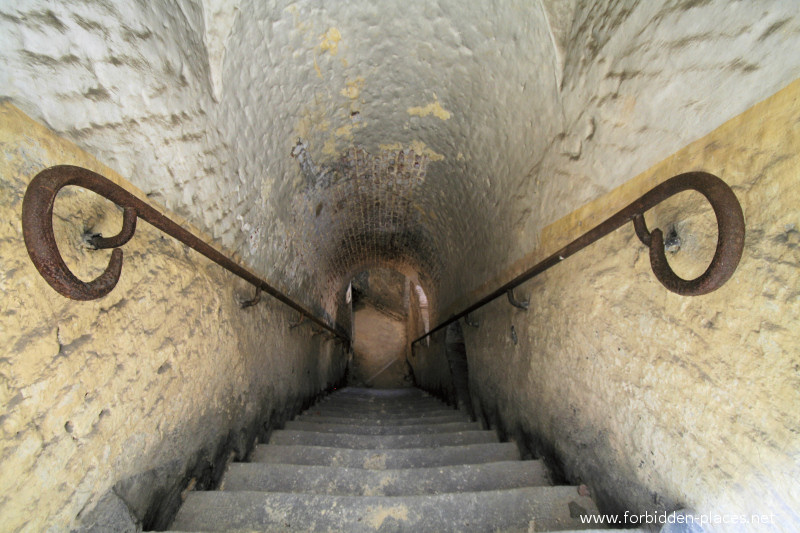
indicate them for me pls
(40, 241)
(730, 241)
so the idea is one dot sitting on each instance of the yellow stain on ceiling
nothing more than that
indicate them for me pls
(419, 147)
(434, 108)
(342, 133)
(391, 147)
(298, 24)
(345, 131)
(314, 117)
(353, 89)
(317, 69)
(329, 148)
(330, 41)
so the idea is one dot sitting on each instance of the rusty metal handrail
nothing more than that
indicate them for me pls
(730, 241)
(37, 229)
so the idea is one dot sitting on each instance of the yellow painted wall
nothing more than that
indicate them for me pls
(657, 400)
(134, 390)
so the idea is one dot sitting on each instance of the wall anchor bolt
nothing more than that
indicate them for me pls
(299, 323)
(470, 322)
(513, 301)
(253, 301)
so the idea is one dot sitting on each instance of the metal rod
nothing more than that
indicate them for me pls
(730, 240)
(37, 229)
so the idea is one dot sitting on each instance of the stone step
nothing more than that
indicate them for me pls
(343, 404)
(407, 482)
(382, 442)
(521, 509)
(354, 420)
(360, 429)
(385, 459)
(379, 399)
(380, 415)
(379, 391)
(380, 394)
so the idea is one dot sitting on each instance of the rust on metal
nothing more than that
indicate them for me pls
(730, 240)
(37, 228)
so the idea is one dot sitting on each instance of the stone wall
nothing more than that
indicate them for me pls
(431, 372)
(655, 400)
(140, 394)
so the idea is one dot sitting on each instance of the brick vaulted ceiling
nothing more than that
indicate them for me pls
(438, 138)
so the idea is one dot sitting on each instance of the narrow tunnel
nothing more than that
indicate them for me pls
(385, 166)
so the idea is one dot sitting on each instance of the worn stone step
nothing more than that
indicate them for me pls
(376, 403)
(379, 398)
(380, 415)
(379, 393)
(417, 406)
(385, 459)
(344, 404)
(382, 442)
(520, 509)
(360, 429)
(406, 482)
(354, 420)
(383, 395)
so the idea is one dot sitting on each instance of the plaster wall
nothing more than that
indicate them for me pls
(659, 401)
(140, 394)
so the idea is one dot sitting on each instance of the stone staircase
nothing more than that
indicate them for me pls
(384, 460)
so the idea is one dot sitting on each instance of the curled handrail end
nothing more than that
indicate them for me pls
(728, 254)
(40, 242)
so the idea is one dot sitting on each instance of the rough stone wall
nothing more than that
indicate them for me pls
(129, 83)
(656, 400)
(431, 372)
(142, 392)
